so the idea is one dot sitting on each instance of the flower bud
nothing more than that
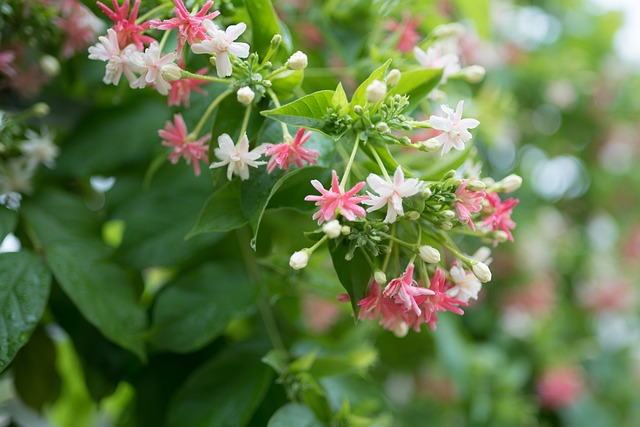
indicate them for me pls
(482, 272)
(446, 225)
(426, 192)
(430, 145)
(297, 61)
(400, 330)
(429, 254)
(276, 40)
(382, 127)
(510, 183)
(171, 72)
(332, 229)
(413, 215)
(379, 277)
(299, 259)
(41, 109)
(448, 30)
(49, 65)
(448, 214)
(358, 109)
(500, 236)
(393, 77)
(476, 185)
(245, 95)
(376, 91)
(473, 73)
(345, 230)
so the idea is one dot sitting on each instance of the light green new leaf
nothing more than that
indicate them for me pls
(8, 220)
(360, 95)
(221, 212)
(224, 392)
(417, 84)
(24, 291)
(294, 415)
(478, 12)
(284, 83)
(340, 99)
(308, 112)
(196, 308)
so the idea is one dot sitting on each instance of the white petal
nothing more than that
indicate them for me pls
(234, 31)
(469, 123)
(440, 123)
(223, 64)
(241, 50)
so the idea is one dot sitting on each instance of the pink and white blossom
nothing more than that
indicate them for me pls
(436, 57)
(406, 292)
(125, 24)
(500, 218)
(150, 64)
(222, 43)
(79, 25)
(336, 201)
(375, 305)
(237, 157)
(390, 194)
(455, 129)
(468, 202)
(287, 153)
(466, 285)
(118, 61)
(176, 137)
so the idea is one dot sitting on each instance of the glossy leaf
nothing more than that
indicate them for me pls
(221, 212)
(284, 83)
(264, 25)
(308, 112)
(225, 391)
(294, 415)
(340, 99)
(24, 290)
(354, 275)
(360, 95)
(417, 84)
(195, 309)
(8, 220)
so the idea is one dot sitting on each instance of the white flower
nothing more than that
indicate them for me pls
(429, 254)
(436, 58)
(299, 259)
(245, 95)
(15, 176)
(39, 148)
(298, 61)
(376, 91)
(238, 157)
(391, 193)
(151, 64)
(107, 49)
(332, 228)
(455, 129)
(466, 285)
(482, 272)
(474, 73)
(221, 43)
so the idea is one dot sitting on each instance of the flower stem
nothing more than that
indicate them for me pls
(188, 74)
(276, 102)
(347, 171)
(421, 125)
(207, 113)
(276, 72)
(399, 241)
(317, 244)
(380, 164)
(245, 121)
(152, 12)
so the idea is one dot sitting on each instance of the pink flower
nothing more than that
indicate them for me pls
(336, 201)
(468, 202)
(79, 25)
(409, 37)
(560, 387)
(376, 305)
(180, 91)
(406, 292)
(436, 57)
(7, 60)
(125, 24)
(437, 301)
(286, 154)
(500, 218)
(190, 27)
(118, 61)
(175, 136)
(222, 44)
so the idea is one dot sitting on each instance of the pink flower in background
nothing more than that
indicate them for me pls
(190, 27)
(151, 63)
(409, 37)
(435, 58)
(79, 25)
(29, 82)
(125, 23)
(437, 301)
(500, 218)
(238, 157)
(7, 60)
(180, 92)
(336, 201)
(390, 194)
(286, 154)
(468, 202)
(222, 43)
(176, 137)
(455, 129)
(560, 387)
(405, 292)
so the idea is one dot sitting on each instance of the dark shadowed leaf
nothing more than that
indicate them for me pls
(354, 275)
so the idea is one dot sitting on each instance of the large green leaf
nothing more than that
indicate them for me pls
(294, 415)
(224, 392)
(103, 294)
(221, 212)
(264, 25)
(478, 12)
(195, 309)
(354, 275)
(308, 112)
(24, 290)
(360, 95)
(417, 84)
(8, 219)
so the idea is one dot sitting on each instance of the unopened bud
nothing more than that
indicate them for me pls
(393, 77)
(267, 65)
(212, 61)
(446, 225)
(401, 329)
(245, 95)
(500, 236)
(430, 145)
(358, 109)
(299, 259)
(332, 229)
(482, 272)
(49, 65)
(476, 185)
(429, 254)
(297, 61)
(171, 72)
(382, 127)
(379, 277)
(448, 214)
(276, 40)
(345, 230)
(473, 73)
(448, 30)
(413, 215)
(40, 109)
(376, 91)
(426, 192)
(510, 183)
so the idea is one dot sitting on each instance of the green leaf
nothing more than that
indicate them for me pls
(339, 99)
(196, 308)
(103, 294)
(8, 220)
(478, 12)
(308, 112)
(264, 25)
(354, 275)
(24, 290)
(417, 84)
(294, 415)
(221, 212)
(284, 83)
(360, 95)
(224, 392)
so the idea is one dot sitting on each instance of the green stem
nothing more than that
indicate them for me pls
(207, 113)
(152, 12)
(191, 75)
(276, 102)
(317, 244)
(347, 171)
(421, 125)
(276, 72)
(451, 247)
(380, 164)
(164, 39)
(245, 121)
(387, 258)
(399, 241)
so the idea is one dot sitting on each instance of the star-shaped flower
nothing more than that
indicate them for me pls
(391, 193)
(287, 153)
(455, 129)
(175, 136)
(125, 23)
(118, 61)
(238, 157)
(222, 43)
(436, 57)
(336, 200)
(467, 202)
(151, 63)
(500, 218)
(406, 292)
